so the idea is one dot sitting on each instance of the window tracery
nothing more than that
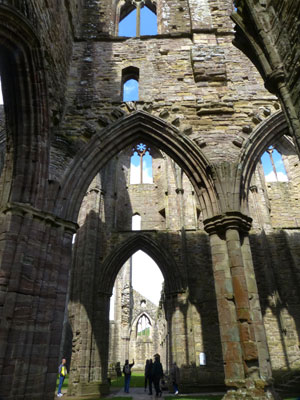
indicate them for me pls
(141, 164)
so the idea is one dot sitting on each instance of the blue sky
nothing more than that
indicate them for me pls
(131, 90)
(148, 26)
(268, 169)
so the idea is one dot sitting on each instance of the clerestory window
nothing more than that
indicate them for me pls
(136, 18)
(273, 166)
(130, 84)
(136, 222)
(141, 164)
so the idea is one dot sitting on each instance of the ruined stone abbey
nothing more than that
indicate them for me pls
(218, 89)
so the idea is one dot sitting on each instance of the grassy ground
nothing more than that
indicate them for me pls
(137, 380)
(194, 397)
(191, 397)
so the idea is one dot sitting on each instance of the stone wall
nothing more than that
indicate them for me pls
(204, 105)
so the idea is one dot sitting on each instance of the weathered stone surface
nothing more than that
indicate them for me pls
(204, 111)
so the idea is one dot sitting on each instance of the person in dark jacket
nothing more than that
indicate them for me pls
(148, 375)
(157, 374)
(127, 373)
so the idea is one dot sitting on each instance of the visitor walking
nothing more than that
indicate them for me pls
(127, 373)
(175, 377)
(157, 374)
(62, 370)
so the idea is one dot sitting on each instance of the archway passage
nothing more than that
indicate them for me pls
(106, 240)
(137, 328)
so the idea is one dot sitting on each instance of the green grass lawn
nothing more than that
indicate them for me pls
(194, 397)
(122, 398)
(137, 380)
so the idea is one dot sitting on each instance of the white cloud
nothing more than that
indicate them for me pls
(272, 178)
(147, 174)
(135, 174)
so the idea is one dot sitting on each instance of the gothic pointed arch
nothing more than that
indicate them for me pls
(120, 254)
(142, 126)
(25, 95)
(267, 133)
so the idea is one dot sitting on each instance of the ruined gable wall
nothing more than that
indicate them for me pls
(201, 84)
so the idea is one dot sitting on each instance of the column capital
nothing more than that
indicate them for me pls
(230, 220)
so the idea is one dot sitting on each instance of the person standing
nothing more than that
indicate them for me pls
(157, 374)
(150, 376)
(146, 374)
(62, 370)
(175, 377)
(127, 373)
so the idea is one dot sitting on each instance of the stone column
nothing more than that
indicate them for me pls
(35, 254)
(244, 343)
(89, 310)
(257, 320)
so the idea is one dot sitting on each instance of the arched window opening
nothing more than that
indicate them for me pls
(131, 90)
(141, 165)
(130, 84)
(137, 18)
(273, 166)
(143, 326)
(136, 222)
